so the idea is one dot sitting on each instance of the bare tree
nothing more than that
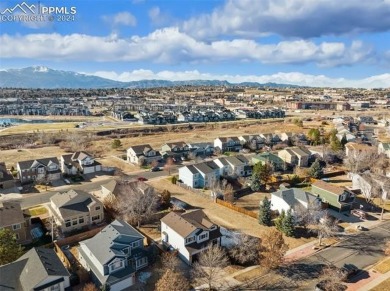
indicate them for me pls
(331, 278)
(168, 165)
(135, 202)
(228, 193)
(172, 280)
(325, 227)
(208, 269)
(90, 287)
(246, 249)
(272, 249)
(141, 161)
(170, 261)
(358, 163)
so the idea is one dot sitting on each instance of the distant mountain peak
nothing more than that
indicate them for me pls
(33, 77)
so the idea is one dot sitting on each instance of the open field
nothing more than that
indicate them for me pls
(221, 215)
(384, 286)
(40, 127)
(251, 202)
(383, 267)
(10, 157)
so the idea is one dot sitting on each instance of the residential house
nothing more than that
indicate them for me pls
(271, 138)
(79, 162)
(356, 150)
(228, 144)
(295, 156)
(114, 255)
(366, 182)
(145, 152)
(189, 233)
(200, 175)
(348, 135)
(338, 198)
(177, 150)
(201, 148)
(234, 166)
(6, 178)
(12, 218)
(76, 209)
(286, 199)
(384, 148)
(47, 169)
(252, 142)
(111, 190)
(38, 269)
(267, 157)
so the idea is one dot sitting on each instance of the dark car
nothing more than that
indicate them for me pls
(142, 179)
(326, 285)
(155, 169)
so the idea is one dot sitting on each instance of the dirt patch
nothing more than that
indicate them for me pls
(11, 157)
(251, 202)
(221, 215)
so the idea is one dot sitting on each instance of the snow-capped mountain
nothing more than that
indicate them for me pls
(46, 78)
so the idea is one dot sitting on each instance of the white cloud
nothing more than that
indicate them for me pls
(294, 78)
(170, 46)
(121, 18)
(302, 18)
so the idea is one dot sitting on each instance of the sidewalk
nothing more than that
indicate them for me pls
(379, 278)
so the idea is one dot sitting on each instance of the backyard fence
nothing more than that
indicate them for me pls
(196, 191)
(79, 237)
(236, 208)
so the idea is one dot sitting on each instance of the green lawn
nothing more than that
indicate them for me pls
(37, 211)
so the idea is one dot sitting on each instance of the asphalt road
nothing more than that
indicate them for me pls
(362, 250)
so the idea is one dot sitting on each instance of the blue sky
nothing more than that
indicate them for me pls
(304, 42)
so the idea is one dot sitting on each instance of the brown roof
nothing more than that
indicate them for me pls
(186, 223)
(10, 213)
(329, 187)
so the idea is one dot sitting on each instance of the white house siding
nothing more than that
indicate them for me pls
(187, 177)
(90, 257)
(176, 241)
(278, 204)
(123, 284)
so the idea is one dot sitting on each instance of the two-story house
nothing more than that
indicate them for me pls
(228, 144)
(355, 150)
(75, 209)
(145, 152)
(295, 156)
(47, 169)
(6, 178)
(201, 148)
(234, 166)
(79, 162)
(267, 157)
(338, 198)
(114, 255)
(176, 150)
(38, 269)
(200, 175)
(12, 218)
(189, 233)
(252, 142)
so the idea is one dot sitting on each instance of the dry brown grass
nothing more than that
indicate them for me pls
(384, 286)
(251, 202)
(221, 215)
(10, 157)
(252, 274)
(41, 127)
(383, 267)
(118, 163)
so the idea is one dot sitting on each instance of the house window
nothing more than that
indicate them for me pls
(126, 250)
(81, 220)
(41, 170)
(55, 287)
(97, 208)
(17, 236)
(74, 222)
(203, 236)
(16, 226)
(190, 239)
(135, 244)
(141, 262)
(116, 265)
(96, 217)
(67, 224)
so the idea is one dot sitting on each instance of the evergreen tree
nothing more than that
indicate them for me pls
(315, 170)
(265, 212)
(279, 221)
(288, 224)
(335, 144)
(10, 250)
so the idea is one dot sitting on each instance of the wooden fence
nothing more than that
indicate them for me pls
(236, 208)
(196, 191)
(78, 237)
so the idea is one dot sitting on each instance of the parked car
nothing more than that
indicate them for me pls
(142, 179)
(155, 169)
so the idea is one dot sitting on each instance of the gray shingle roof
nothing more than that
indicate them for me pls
(31, 269)
(103, 245)
(10, 213)
(73, 202)
(45, 162)
(291, 196)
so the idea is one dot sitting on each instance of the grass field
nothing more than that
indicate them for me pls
(383, 267)
(40, 127)
(36, 211)
(384, 286)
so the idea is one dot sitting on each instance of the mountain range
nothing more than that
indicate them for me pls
(46, 78)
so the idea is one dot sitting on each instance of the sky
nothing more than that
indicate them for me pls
(329, 43)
